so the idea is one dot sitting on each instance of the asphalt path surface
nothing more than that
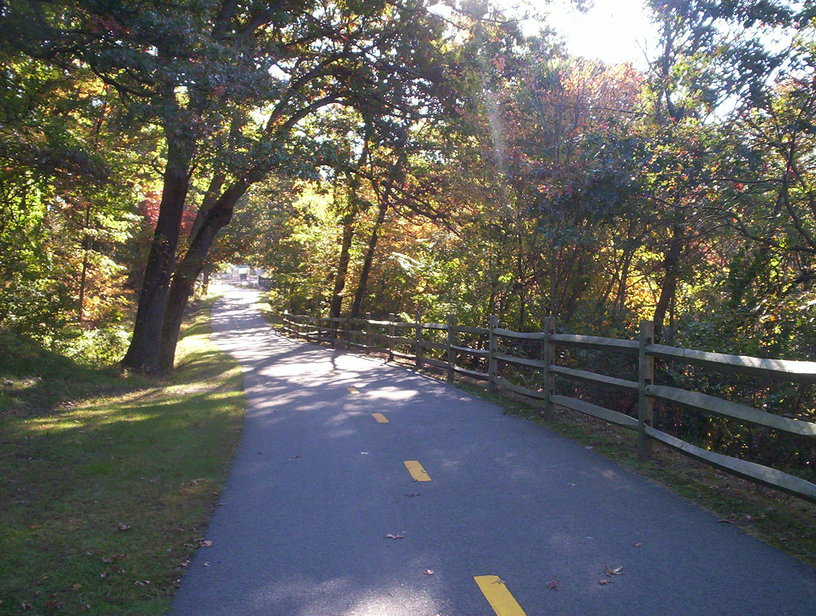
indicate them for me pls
(318, 485)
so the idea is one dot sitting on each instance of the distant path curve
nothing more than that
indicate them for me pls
(319, 483)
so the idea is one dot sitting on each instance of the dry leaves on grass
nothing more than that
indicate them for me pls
(113, 558)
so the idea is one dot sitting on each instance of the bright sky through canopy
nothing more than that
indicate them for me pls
(612, 30)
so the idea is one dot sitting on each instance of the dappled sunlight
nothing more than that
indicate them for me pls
(395, 602)
(392, 393)
(20, 384)
(130, 408)
(339, 418)
(342, 596)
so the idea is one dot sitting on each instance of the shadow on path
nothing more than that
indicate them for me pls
(318, 484)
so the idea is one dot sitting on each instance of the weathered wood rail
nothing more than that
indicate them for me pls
(409, 340)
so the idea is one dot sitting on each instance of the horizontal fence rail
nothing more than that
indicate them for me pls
(407, 340)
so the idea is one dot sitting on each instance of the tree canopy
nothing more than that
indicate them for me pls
(401, 156)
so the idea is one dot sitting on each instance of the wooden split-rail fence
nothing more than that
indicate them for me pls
(407, 340)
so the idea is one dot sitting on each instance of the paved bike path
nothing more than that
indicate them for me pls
(318, 484)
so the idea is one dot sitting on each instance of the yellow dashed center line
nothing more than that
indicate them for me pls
(379, 417)
(497, 595)
(416, 470)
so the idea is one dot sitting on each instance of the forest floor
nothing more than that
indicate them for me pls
(109, 480)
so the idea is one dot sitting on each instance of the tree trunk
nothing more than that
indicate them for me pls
(205, 280)
(671, 266)
(190, 267)
(143, 353)
(367, 262)
(342, 266)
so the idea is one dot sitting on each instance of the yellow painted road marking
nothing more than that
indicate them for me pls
(416, 470)
(379, 417)
(497, 595)
(353, 390)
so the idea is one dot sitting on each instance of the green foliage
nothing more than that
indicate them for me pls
(373, 156)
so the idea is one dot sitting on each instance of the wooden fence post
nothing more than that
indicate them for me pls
(392, 331)
(418, 340)
(345, 325)
(492, 363)
(451, 344)
(645, 377)
(547, 356)
(367, 330)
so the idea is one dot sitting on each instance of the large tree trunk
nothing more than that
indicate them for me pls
(671, 267)
(368, 261)
(342, 266)
(143, 353)
(211, 222)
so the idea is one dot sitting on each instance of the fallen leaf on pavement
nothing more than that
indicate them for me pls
(554, 585)
(204, 543)
(610, 571)
(428, 572)
(638, 544)
(395, 536)
(603, 582)
(413, 494)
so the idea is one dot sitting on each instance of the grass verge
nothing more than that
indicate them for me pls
(109, 480)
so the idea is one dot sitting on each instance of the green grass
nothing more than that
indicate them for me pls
(109, 480)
